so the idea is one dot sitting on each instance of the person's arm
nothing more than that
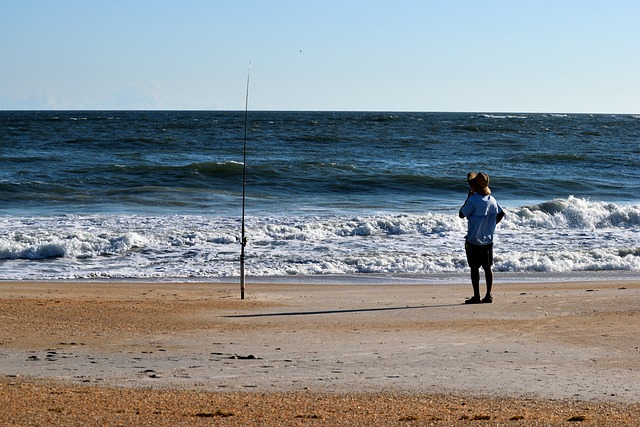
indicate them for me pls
(461, 214)
(499, 217)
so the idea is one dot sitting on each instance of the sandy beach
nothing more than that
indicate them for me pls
(187, 354)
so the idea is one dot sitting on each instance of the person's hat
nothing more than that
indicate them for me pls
(479, 181)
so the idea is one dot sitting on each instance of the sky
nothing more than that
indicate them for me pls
(553, 56)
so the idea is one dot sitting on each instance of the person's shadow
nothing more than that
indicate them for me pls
(353, 310)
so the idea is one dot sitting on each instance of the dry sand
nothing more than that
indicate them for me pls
(188, 354)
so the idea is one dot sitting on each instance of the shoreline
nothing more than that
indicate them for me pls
(369, 278)
(562, 342)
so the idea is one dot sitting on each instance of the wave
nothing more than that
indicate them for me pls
(560, 235)
(578, 213)
(229, 168)
(372, 183)
(502, 116)
(224, 169)
(385, 117)
(89, 237)
(546, 158)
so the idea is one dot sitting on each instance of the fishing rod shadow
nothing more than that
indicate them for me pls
(345, 311)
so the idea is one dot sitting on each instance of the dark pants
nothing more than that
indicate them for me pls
(480, 256)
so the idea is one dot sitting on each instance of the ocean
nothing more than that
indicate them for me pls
(330, 196)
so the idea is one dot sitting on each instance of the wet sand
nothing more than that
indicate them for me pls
(183, 354)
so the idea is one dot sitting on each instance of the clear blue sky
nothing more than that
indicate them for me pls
(414, 55)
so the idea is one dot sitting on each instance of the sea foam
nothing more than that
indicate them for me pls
(563, 235)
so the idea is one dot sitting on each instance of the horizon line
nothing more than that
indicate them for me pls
(315, 111)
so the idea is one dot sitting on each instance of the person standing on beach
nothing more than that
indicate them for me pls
(483, 213)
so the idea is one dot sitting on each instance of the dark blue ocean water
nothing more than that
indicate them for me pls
(158, 194)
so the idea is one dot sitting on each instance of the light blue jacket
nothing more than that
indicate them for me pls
(482, 213)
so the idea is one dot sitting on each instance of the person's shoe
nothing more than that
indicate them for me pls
(487, 299)
(473, 300)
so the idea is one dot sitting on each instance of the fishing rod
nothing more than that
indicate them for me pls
(243, 241)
